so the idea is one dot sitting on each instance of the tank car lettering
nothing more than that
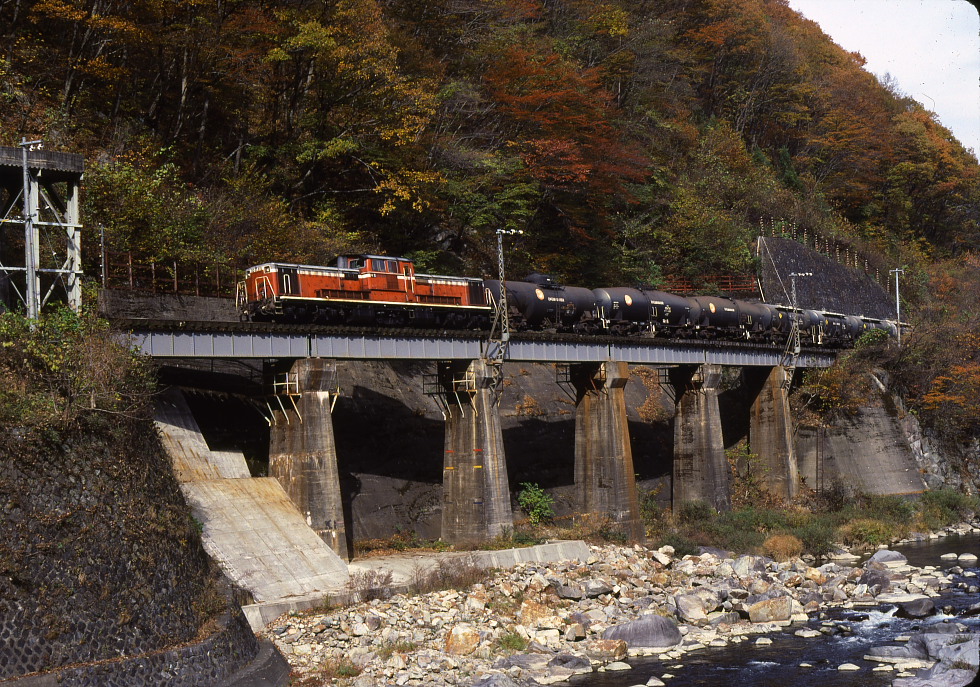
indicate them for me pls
(729, 309)
(556, 299)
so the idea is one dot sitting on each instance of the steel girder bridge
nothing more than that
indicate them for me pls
(163, 340)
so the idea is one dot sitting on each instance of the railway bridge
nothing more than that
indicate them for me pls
(300, 364)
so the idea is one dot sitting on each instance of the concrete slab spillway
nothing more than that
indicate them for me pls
(262, 541)
(250, 526)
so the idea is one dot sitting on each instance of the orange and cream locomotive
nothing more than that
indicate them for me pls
(363, 290)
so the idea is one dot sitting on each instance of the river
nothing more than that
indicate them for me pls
(778, 665)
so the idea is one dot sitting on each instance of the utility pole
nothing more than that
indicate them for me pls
(898, 306)
(497, 348)
(793, 346)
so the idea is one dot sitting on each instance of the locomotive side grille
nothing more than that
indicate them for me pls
(339, 293)
(439, 300)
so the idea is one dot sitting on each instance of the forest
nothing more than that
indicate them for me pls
(628, 140)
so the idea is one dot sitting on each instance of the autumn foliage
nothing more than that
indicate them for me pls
(628, 140)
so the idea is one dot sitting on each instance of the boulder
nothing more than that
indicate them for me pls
(579, 664)
(523, 661)
(570, 591)
(606, 649)
(690, 608)
(462, 640)
(876, 580)
(916, 608)
(596, 588)
(892, 559)
(537, 615)
(575, 632)
(746, 565)
(771, 610)
(957, 657)
(648, 631)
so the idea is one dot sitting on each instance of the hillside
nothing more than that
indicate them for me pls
(647, 137)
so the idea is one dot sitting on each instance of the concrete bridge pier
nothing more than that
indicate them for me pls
(771, 428)
(476, 493)
(604, 478)
(701, 471)
(302, 453)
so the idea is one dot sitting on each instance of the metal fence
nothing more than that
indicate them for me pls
(121, 271)
(730, 284)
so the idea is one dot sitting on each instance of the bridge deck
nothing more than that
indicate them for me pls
(252, 340)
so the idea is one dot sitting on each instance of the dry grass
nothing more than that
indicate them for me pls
(782, 547)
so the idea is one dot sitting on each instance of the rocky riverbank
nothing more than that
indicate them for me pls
(543, 623)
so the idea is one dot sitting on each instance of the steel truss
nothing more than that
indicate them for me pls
(39, 194)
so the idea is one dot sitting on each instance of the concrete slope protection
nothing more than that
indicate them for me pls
(250, 526)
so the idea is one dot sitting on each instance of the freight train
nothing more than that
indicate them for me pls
(384, 291)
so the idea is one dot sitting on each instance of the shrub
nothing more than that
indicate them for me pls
(459, 572)
(329, 671)
(748, 478)
(867, 532)
(834, 498)
(683, 546)
(63, 367)
(819, 537)
(537, 504)
(944, 507)
(367, 585)
(388, 649)
(782, 547)
(695, 512)
(892, 509)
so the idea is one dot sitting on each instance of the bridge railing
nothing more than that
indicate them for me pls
(729, 284)
(121, 271)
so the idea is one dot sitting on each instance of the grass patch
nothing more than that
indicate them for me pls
(815, 525)
(328, 671)
(511, 643)
(388, 649)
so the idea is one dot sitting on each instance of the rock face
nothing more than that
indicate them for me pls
(650, 631)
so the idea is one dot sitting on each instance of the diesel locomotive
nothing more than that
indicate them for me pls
(378, 290)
